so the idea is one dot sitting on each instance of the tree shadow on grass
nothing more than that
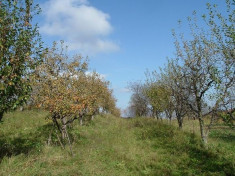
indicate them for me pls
(33, 141)
(227, 137)
(24, 142)
(206, 161)
(195, 159)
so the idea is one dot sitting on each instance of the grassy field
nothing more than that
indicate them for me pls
(110, 146)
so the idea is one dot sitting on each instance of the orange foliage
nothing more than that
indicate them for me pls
(61, 85)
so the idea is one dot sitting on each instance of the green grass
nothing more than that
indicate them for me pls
(111, 146)
(220, 136)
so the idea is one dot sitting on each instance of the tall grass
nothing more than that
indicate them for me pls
(108, 146)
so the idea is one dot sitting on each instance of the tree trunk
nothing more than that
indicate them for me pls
(92, 117)
(49, 139)
(70, 144)
(56, 125)
(63, 120)
(21, 108)
(168, 115)
(1, 116)
(180, 122)
(203, 132)
(157, 115)
(81, 120)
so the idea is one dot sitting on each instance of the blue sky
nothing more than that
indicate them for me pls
(122, 38)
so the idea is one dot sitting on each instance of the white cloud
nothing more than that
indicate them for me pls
(125, 90)
(83, 27)
(101, 76)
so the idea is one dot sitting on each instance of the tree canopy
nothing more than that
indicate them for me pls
(20, 51)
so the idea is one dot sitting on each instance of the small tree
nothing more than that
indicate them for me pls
(62, 86)
(20, 52)
(223, 33)
(159, 95)
(153, 93)
(171, 76)
(208, 64)
(139, 101)
(59, 85)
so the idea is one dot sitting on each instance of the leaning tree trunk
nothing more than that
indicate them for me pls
(56, 124)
